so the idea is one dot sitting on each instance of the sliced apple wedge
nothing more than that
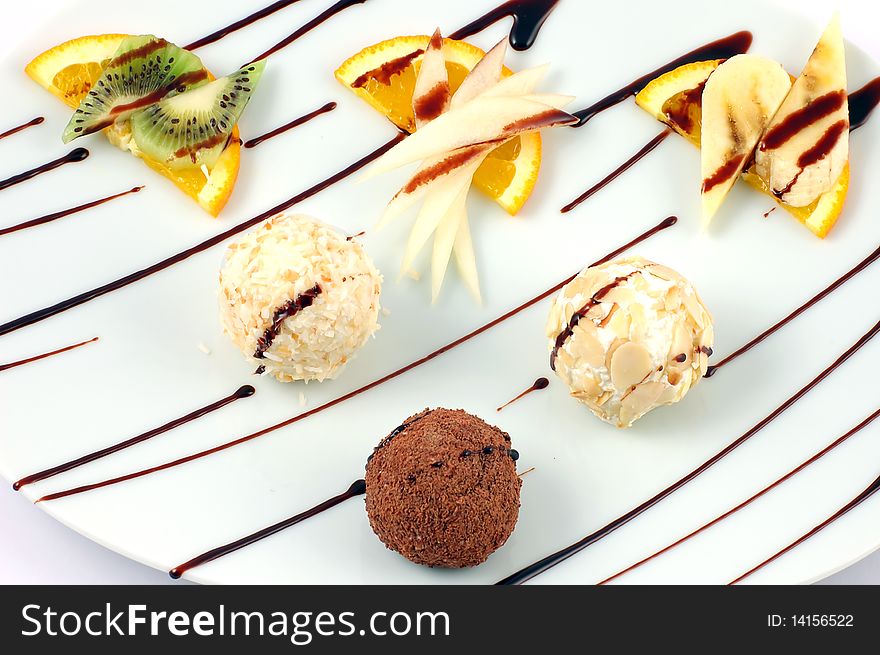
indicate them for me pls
(488, 72)
(806, 146)
(482, 120)
(739, 100)
(431, 94)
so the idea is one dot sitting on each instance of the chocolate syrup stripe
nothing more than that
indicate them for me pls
(357, 488)
(75, 301)
(528, 18)
(617, 172)
(23, 126)
(42, 220)
(861, 426)
(735, 44)
(872, 488)
(537, 385)
(309, 26)
(666, 223)
(552, 560)
(296, 122)
(239, 24)
(75, 155)
(839, 282)
(21, 362)
(242, 392)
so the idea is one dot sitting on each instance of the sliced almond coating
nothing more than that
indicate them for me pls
(666, 273)
(806, 146)
(682, 344)
(485, 74)
(588, 388)
(696, 310)
(431, 93)
(620, 324)
(638, 402)
(480, 121)
(586, 346)
(739, 100)
(630, 364)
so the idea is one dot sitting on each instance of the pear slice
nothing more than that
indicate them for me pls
(739, 101)
(465, 260)
(480, 121)
(484, 75)
(431, 172)
(805, 148)
(431, 93)
(444, 240)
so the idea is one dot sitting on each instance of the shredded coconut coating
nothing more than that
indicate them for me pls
(644, 342)
(276, 263)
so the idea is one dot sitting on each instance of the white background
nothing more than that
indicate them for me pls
(35, 549)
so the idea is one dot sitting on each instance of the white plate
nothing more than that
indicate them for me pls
(147, 368)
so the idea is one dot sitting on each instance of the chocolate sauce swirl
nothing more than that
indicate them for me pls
(528, 18)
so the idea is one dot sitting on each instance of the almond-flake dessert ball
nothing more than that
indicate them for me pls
(442, 489)
(629, 336)
(298, 298)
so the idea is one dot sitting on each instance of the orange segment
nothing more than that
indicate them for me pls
(674, 99)
(384, 75)
(69, 70)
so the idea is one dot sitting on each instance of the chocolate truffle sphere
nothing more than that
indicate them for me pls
(442, 489)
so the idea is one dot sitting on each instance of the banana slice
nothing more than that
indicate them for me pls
(806, 146)
(740, 99)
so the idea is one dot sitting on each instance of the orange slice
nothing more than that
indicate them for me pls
(69, 70)
(674, 99)
(384, 75)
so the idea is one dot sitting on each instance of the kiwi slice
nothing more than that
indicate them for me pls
(191, 129)
(144, 70)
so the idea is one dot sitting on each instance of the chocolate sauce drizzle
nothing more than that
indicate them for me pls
(537, 385)
(801, 119)
(617, 172)
(872, 488)
(357, 488)
(242, 392)
(594, 301)
(528, 18)
(552, 560)
(296, 122)
(863, 102)
(21, 362)
(664, 224)
(239, 24)
(839, 282)
(331, 11)
(750, 500)
(290, 308)
(75, 301)
(735, 44)
(75, 155)
(48, 218)
(23, 126)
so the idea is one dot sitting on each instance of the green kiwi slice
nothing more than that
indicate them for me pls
(191, 129)
(144, 70)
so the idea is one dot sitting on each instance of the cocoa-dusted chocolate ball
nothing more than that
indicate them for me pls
(442, 489)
